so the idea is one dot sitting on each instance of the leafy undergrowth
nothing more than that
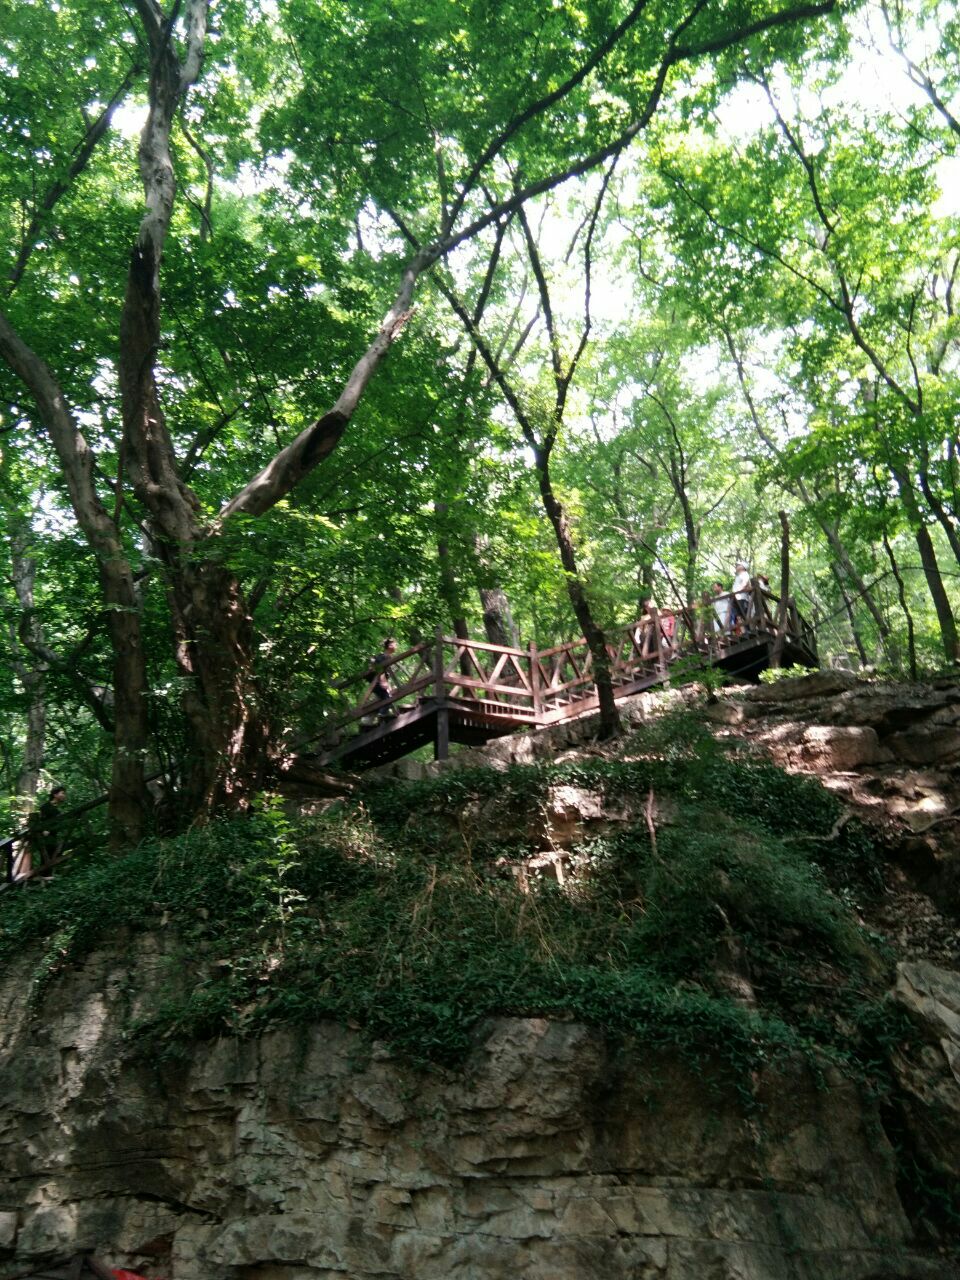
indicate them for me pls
(395, 913)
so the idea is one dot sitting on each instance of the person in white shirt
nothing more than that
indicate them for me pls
(741, 595)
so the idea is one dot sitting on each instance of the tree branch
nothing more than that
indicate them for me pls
(81, 158)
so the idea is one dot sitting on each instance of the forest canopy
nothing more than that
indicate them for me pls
(321, 322)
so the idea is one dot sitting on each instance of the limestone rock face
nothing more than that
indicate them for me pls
(930, 1076)
(549, 1155)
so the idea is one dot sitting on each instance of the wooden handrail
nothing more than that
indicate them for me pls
(539, 686)
(544, 677)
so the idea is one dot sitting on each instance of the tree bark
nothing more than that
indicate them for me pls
(851, 616)
(902, 596)
(592, 633)
(829, 530)
(30, 674)
(861, 589)
(128, 797)
(931, 569)
(450, 587)
(941, 513)
(498, 624)
(230, 734)
(777, 656)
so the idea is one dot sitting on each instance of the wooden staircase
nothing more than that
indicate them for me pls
(466, 691)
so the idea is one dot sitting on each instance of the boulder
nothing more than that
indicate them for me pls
(932, 996)
(839, 747)
(725, 712)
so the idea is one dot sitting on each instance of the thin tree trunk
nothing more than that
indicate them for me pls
(931, 569)
(29, 673)
(938, 509)
(829, 530)
(902, 595)
(128, 805)
(593, 634)
(777, 656)
(862, 592)
(848, 606)
(449, 586)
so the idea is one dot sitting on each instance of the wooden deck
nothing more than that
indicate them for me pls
(466, 691)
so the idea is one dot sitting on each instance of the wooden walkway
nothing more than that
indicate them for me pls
(466, 691)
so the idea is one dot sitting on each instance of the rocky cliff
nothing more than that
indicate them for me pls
(552, 1151)
(549, 1154)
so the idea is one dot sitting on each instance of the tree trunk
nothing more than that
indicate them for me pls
(941, 602)
(777, 656)
(942, 515)
(229, 724)
(691, 533)
(593, 634)
(931, 569)
(30, 673)
(851, 616)
(902, 595)
(862, 591)
(498, 624)
(128, 805)
(128, 796)
(450, 589)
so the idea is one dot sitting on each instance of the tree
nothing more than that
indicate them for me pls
(453, 165)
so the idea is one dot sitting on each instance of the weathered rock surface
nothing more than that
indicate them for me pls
(891, 751)
(550, 1156)
(929, 1076)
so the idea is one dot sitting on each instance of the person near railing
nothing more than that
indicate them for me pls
(739, 598)
(44, 841)
(382, 690)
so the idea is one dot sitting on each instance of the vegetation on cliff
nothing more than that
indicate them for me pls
(719, 916)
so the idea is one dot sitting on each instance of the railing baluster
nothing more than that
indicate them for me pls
(534, 660)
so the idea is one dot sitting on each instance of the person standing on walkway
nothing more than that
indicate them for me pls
(44, 840)
(740, 601)
(382, 689)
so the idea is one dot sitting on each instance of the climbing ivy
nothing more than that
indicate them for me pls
(396, 913)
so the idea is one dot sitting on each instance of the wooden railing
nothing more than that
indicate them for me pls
(19, 864)
(540, 686)
(500, 686)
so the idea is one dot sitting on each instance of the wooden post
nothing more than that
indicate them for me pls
(441, 741)
(439, 687)
(534, 660)
(658, 641)
(707, 625)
